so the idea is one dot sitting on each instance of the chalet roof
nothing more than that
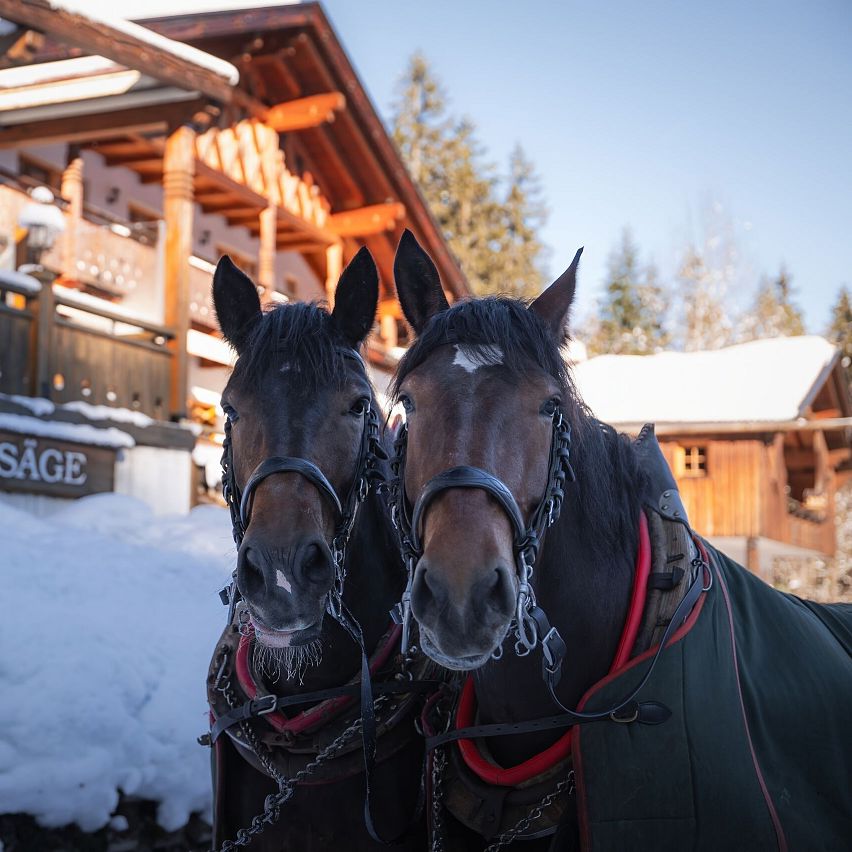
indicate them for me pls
(773, 380)
(76, 24)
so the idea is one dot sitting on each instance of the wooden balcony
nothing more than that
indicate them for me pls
(64, 347)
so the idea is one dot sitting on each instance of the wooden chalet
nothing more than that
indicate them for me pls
(759, 437)
(167, 143)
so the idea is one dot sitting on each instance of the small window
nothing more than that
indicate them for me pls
(691, 461)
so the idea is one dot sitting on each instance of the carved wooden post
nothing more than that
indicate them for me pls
(389, 332)
(268, 249)
(179, 209)
(333, 268)
(72, 191)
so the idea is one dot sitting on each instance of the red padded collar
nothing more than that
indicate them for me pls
(466, 713)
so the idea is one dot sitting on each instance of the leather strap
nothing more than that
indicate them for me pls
(285, 464)
(272, 703)
(465, 476)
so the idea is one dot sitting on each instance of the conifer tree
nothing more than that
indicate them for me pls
(631, 313)
(840, 328)
(704, 323)
(494, 241)
(773, 314)
(521, 253)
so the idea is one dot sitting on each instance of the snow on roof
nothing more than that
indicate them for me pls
(111, 14)
(765, 380)
(78, 433)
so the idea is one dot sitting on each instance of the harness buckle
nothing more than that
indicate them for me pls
(271, 702)
(553, 649)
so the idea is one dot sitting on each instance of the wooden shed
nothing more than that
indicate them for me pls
(759, 437)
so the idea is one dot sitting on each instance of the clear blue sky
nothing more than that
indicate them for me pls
(642, 113)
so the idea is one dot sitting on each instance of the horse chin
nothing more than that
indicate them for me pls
(466, 663)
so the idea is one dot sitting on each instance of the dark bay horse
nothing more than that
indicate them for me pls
(302, 445)
(551, 558)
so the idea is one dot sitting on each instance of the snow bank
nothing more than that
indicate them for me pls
(80, 433)
(106, 640)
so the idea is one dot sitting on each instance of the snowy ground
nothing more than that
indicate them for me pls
(110, 618)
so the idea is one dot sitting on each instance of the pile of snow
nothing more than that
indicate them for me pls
(111, 617)
(80, 433)
(107, 412)
(767, 380)
(39, 406)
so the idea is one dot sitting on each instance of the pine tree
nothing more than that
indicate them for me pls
(631, 314)
(773, 314)
(494, 241)
(840, 329)
(705, 323)
(524, 213)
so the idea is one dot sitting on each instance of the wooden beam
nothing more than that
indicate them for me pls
(75, 29)
(178, 212)
(104, 125)
(19, 46)
(366, 221)
(303, 113)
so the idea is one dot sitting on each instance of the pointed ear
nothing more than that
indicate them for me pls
(554, 304)
(236, 301)
(357, 298)
(418, 284)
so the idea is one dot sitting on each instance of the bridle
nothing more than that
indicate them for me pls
(240, 500)
(530, 624)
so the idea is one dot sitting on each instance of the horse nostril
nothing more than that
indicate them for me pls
(315, 565)
(249, 573)
(496, 590)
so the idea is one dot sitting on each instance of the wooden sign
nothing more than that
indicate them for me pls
(58, 468)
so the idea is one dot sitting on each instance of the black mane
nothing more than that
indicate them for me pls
(305, 335)
(603, 459)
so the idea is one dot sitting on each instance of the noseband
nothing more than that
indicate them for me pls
(530, 625)
(240, 501)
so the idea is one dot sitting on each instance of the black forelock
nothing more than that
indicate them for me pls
(493, 321)
(303, 334)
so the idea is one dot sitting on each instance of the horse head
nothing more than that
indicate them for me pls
(482, 386)
(301, 430)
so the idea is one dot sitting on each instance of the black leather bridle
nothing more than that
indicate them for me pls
(530, 625)
(240, 501)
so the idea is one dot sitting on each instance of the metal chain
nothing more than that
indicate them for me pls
(510, 835)
(287, 786)
(439, 763)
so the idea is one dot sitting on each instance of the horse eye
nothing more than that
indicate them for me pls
(360, 407)
(230, 412)
(406, 403)
(549, 408)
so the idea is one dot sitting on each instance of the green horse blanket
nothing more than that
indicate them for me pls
(757, 753)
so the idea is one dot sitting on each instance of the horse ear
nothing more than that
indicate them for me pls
(357, 298)
(554, 304)
(236, 301)
(418, 284)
